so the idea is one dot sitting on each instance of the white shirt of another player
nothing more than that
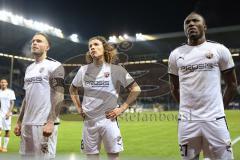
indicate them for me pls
(199, 68)
(101, 87)
(5, 97)
(37, 87)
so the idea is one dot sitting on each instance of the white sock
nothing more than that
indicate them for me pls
(6, 140)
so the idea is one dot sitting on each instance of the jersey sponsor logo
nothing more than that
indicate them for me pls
(97, 83)
(35, 79)
(198, 67)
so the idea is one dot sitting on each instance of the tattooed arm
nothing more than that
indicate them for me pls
(57, 97)
(17, 129)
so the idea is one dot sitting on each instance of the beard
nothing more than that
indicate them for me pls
(195, 36)
(38, 54)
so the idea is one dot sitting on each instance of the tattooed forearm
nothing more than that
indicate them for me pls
(20, 118)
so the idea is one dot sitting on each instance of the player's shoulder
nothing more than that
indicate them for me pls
(218, 46)
(84, 67)
(52, 64)
(116, 66)
(214, 43)
(10, 90)
(30, 65)
(181, 48)
(53, 61)
(118, 69)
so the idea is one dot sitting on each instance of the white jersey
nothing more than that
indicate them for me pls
(199, 70)
(101, 87)
(37, 87)
(6, 96)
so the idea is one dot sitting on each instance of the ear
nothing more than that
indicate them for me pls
(47, 48)
(205, 27)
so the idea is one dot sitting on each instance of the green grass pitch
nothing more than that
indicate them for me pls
(145, 135)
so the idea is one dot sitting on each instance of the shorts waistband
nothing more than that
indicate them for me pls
(87, 119)
(218, 118)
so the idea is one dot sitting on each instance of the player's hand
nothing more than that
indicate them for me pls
(17, 130)
(114, 113)
(48, 129)
(80, 111)
(83, 115)
(8, 115)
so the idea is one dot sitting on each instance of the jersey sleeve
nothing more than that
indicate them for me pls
(57, 75)
(25, 85)
(124, 77)
(77, 81)
(58, 71)
(12, 95)
(225, 58)
(172, 64)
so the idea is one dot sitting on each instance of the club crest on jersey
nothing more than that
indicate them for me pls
(106, 74)
(209, 55)
(41, 70)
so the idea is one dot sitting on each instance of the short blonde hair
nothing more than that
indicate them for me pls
(110, 52)
(45, 36)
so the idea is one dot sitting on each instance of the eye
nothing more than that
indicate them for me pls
(187, 21)
(195, 20)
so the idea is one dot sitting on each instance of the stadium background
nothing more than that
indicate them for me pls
(149, 128)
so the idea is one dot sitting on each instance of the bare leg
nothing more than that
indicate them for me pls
(92, 156)
(7, 133)
(0, 139)
(113, 156)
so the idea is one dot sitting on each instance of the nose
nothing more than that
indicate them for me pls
(34, 42)
(191, 23)
(92, 48)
